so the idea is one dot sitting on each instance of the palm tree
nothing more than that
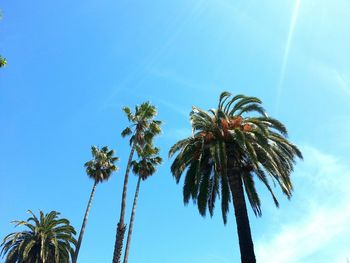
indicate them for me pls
(98, 169)
(225, 152)
(3, 62)
(143, 168)
(47, 239)
(142, 130)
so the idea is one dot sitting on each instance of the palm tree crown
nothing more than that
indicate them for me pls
(102, 165)
(143, 126)
(224, 153)
(148, 160)
(257, 145)
(48, 239)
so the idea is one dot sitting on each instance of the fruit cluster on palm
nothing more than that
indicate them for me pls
(47, 239)
(230, 146)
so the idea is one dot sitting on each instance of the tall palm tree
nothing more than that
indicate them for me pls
(47, 239)
(229, 146)
(142, 130)
(98, 169)
(143, 168)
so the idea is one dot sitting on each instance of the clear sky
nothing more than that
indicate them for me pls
(72, 66)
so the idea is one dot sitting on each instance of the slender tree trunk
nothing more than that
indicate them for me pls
(131, 224)
(243, 228)
(83, 226)
(118, 246)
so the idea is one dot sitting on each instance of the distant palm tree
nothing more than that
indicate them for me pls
(143, 168)
(98, 169)
(3, 61)
(226, 150)
(142, 130)
(48, 239)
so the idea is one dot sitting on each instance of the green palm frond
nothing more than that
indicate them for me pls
(202, 199)
(223, 97)
(225, 197)
(228, 105)
(244, 102)
(254, 107)
(128, 113)
(49, 239)
(275, 124)
(253, 196)
(177, 146)
(126, 132)
(190, 188)
(213, 192)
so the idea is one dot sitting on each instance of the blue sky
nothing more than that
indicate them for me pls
(72, 66)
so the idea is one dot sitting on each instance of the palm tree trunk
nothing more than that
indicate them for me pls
(118, 246)
(243, 228)
(83, 226)
(131, 224)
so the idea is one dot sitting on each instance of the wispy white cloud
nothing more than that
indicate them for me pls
(175, 25)
(322, 230)
(179, 109)
(287, 51)
(176, 78)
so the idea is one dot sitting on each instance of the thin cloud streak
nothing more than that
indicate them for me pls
(286, 52)
(176, 25)
(343, 84)
(179, 109)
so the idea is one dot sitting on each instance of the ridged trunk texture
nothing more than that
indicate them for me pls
(121, 227)
(132, 219)
(243, 228)
(83, 226)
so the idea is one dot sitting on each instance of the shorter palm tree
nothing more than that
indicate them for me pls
(143, 168)
(47, 239)
(98, 169)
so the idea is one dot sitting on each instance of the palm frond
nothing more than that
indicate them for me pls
(253, 196)
(126, 132)
(230, 103)
(243, 102)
